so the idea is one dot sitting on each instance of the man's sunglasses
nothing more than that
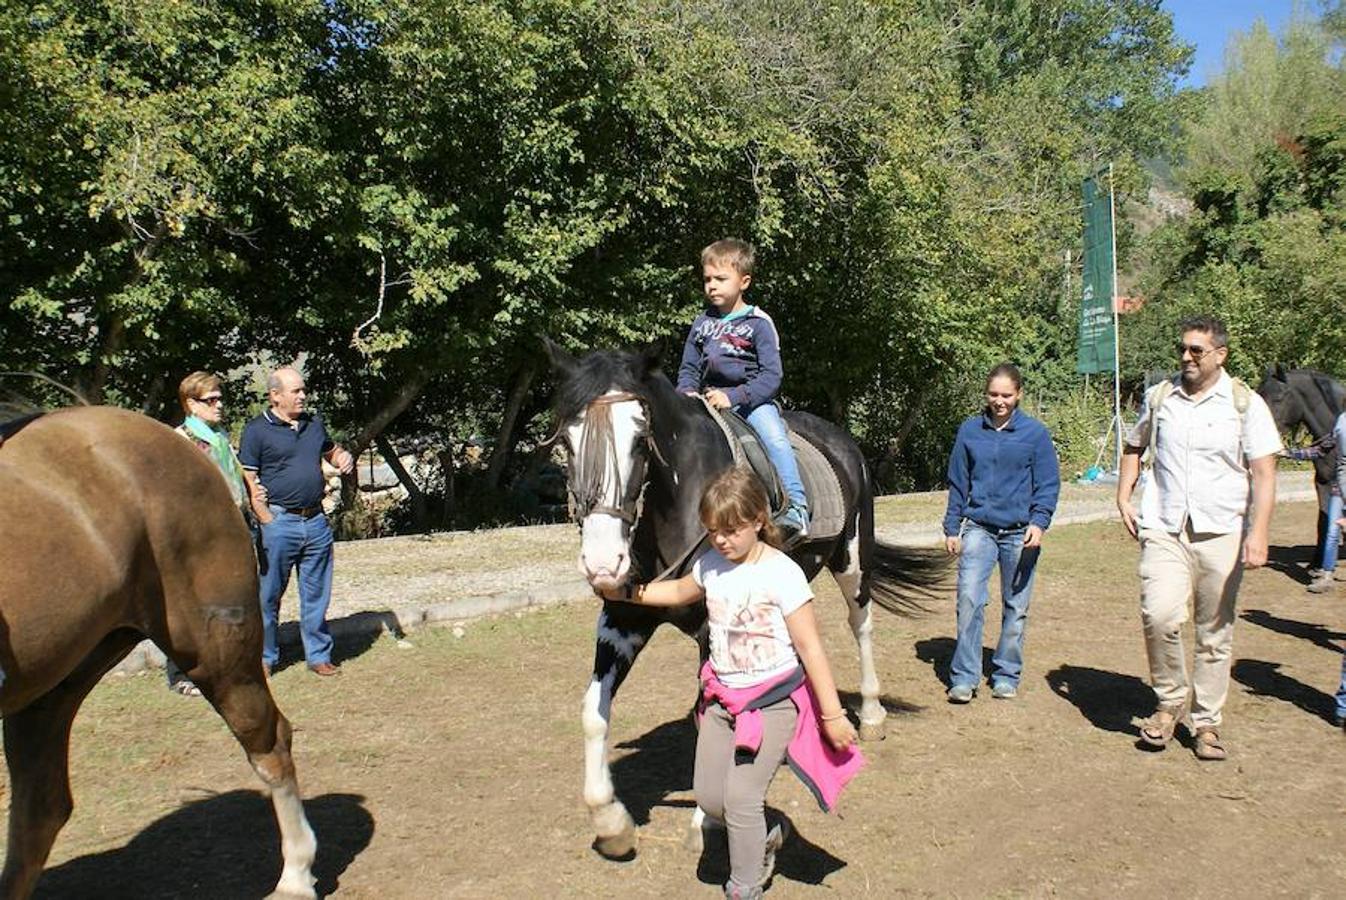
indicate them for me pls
(1196, 350)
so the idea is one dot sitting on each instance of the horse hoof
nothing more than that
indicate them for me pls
(619, 847)
(872, 731)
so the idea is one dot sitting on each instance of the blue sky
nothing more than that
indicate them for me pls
(1208, 23)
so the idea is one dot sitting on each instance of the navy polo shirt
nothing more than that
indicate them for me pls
(287, 458)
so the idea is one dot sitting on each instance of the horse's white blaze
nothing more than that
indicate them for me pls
(605, 543)
(298, 846)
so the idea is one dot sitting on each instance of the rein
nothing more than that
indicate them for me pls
(590, 469)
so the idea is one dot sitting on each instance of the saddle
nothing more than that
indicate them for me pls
(827, 511)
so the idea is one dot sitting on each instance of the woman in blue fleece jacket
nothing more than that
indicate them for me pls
(1004, 479)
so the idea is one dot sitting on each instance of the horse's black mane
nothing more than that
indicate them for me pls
(597, 373)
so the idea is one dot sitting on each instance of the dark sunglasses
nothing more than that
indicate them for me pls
(1196, 351)
(214, 400)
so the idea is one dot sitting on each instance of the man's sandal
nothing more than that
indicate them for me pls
(1157, 730)
(1207, 746)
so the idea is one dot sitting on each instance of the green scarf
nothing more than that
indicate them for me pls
(222, 454)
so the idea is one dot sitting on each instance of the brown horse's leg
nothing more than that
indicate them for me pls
(229, 673)
(37, 751)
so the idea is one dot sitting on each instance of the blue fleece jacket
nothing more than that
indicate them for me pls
(1002, 478)
(738, 353)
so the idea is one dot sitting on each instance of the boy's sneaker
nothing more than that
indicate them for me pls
(796, 518)
(961, 693)
(1003, 690)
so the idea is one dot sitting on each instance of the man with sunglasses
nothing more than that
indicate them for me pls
(1210, 436)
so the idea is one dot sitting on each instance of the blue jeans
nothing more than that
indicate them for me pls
(770, 427)
(982, 548)
(1341, 691)
(291, 541)
(1332, 540)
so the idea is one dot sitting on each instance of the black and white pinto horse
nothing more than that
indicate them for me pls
(1314, 400)
(640, 454)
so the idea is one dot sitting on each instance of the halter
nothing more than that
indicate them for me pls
(598, 459)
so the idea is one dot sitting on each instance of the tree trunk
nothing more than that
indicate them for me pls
(909, 422)
(504, 438)
(419, 519)
(403, 397)
(450, 489)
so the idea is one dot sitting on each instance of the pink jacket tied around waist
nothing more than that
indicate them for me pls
(824, 770)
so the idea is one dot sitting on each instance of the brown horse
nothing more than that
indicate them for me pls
(114, 529)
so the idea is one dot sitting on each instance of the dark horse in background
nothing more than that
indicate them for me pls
(1314, 400)
(114, 529)
(640, 454)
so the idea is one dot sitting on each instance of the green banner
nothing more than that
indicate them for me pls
(1097, 328)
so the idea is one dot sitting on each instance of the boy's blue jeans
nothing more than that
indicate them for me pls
(982, 549)
(292, 541)
(770, 427)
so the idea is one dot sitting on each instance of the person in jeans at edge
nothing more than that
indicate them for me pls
(285, 447)
(733, 355)
(1321, 579)
(1004, 479)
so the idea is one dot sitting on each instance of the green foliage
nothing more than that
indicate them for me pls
(410, 193)
(1266, 246)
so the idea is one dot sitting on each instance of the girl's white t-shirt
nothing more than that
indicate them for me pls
(746, 604)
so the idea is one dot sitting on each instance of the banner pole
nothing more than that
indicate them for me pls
(1116, 331)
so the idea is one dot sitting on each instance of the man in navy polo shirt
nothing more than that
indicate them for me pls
(285, 446)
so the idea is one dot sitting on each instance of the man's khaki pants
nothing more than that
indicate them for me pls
(1207, 569)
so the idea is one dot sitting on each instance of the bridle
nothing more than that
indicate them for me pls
(596, 461)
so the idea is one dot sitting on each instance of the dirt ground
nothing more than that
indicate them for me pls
(453, 768)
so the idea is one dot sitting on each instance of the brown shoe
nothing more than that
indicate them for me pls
(324, 668)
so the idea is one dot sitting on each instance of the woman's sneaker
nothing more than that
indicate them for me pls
(1003, 690)
(961, 693)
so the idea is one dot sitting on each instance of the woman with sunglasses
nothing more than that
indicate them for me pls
(202, 400)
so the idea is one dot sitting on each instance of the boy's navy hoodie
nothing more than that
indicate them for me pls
(738, 353)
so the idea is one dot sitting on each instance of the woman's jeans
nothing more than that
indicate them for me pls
(982, 549)
(770, 427)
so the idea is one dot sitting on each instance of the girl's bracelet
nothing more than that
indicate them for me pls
(834, 717)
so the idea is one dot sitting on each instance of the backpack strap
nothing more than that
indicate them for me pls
(1154, 400)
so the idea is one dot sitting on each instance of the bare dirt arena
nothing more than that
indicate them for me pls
(453, 768)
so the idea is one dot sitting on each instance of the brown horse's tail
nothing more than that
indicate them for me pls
(902, 579)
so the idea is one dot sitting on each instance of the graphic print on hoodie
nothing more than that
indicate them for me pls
(738, 354)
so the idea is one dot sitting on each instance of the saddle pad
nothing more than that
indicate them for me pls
(827, 508)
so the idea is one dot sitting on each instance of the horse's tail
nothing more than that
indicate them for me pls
(901, 578)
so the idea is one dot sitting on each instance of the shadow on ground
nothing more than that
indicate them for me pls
(1291, 561)
(939, 653)
(224, 847)
(662, 764)
(352, 636)
(1109, 700)
(799, 860)
(1262, 678)
(1313, 632)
